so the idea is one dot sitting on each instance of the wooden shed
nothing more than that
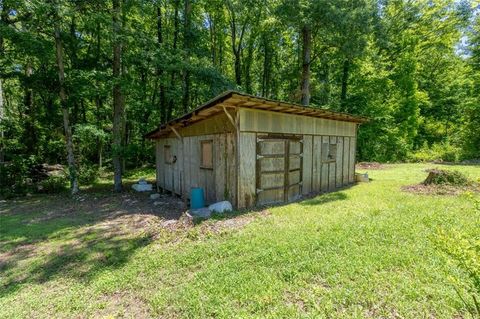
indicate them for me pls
(255, 151)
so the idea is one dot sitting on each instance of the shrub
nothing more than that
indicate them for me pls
(15, 177)
(444, 177)
(88, 175)
(443, 152)
(464, 252)
(52, 184)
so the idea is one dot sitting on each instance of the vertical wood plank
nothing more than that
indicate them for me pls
(317, 159)
(187, 163)
(332, 168)
(159, 157)
(325, 168)
(247, 159)
(219, 164)
(351, 173)
(339, 163)
(231, 171)
(307, 164)
(346, 160)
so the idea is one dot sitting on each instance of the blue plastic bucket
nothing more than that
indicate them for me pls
(196, 198)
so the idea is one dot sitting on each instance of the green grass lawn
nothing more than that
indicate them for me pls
(362, 252)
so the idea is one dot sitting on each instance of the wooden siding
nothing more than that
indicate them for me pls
(218, 183)
(213, 125)
(320, 176)
(235, 164)
(246, 172)
(307, 164)
(272, 122)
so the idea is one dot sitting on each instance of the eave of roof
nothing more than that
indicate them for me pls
(239, 99)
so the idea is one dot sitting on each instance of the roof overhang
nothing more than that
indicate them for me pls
(234, 99)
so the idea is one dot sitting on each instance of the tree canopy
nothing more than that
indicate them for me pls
(110, 71)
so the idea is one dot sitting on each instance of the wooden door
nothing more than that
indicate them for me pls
(278, 169)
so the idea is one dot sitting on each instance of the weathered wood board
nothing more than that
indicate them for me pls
(307, 164)
(179, 177)
(297, 165)
(275, 122)
(246, 174)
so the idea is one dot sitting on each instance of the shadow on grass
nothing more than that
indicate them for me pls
(80, 259)
(50, 236)
(311, 200)
(325, 198)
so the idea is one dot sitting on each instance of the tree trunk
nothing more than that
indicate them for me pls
(238, 68)
(99, 97)
(325, 81)
(2, 134)
(236, 47)
(30, 134)
(186, 47)
(118, 107)
(63, 100)
(345, 75)
(163, 101)
(266, 66)
(173, 73)
(306, 61)
(248, 66)
(3, 18)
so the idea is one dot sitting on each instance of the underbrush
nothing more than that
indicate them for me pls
(442, 152)
(463, 250)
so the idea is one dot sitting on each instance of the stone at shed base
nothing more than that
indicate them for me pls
(142, 186)
(221, 207)
(201, 212)
(154, 196)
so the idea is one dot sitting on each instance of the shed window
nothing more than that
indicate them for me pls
(167, 152)
(329, 152)
(206, 149)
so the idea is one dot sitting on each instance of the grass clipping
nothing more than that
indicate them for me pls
(443, 182)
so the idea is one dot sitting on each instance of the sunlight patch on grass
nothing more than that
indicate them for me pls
(365, 251)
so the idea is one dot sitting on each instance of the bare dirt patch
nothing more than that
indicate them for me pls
(443, 182)
(122, 305)
(370, 165)
(438, 189)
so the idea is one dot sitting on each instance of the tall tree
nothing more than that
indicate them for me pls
(238, 26)
(118, 101)
(187, 38)
(63, 101)
(306, 62)
(163, 99)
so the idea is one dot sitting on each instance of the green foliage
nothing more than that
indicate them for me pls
(360, 252)
(15, 176)
(464, 251)
(446, 177)
(442, 152)
(88, 175)
(52, 184)
(398, 62)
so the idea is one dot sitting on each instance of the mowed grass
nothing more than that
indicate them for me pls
(361, 252)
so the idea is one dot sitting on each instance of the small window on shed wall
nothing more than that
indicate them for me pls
(167, 152)
(206, 153)
(329, 152)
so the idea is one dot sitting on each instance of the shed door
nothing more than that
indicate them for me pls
(279, 169)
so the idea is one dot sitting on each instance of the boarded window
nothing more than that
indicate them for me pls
(329, 152)
(167, 152)
(206, 149)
